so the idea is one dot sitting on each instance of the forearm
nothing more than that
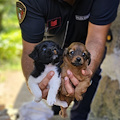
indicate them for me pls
(95, 44)
(26, 61)
(27, 65)
(97, 52)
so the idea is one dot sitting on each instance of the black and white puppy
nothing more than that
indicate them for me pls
(47, 56)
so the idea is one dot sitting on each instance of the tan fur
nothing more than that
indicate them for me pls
(76, 70)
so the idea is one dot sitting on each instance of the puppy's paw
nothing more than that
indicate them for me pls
(78, 97)
(38, 99)
(51, 101)
(64, 104)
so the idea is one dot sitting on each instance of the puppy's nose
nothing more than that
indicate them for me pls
(78, 59)
(55, 52)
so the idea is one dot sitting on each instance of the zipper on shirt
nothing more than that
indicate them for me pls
(66, 30)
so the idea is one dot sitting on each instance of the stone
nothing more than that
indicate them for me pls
(107, 100)
(4, 115)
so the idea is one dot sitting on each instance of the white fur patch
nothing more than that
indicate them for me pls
(54, 85)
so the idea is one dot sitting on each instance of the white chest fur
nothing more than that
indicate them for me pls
(54, 85)
(47, 69)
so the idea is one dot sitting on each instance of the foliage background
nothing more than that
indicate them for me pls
(10, 36)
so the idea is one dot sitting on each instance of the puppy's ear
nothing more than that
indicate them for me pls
(34, 54)
(88, 58)
(65, 52)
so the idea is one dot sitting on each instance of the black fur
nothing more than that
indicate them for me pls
(43, 55)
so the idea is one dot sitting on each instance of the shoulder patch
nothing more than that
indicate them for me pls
(21, 11)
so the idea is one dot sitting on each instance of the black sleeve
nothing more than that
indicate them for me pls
(104, 12)
(33, 25)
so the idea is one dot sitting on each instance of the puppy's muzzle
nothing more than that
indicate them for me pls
(52, 51)
(77, 61)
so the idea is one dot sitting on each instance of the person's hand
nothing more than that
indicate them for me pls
(44, 83)
(84, 84)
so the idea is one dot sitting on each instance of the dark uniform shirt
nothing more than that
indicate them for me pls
(57, 20)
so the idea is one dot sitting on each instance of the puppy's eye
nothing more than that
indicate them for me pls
(84, 54)
(44, 48)
(71, 52)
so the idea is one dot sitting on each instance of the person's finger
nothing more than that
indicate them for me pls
(45, 93)
(72, 78)
(69, 87)
(43, 84)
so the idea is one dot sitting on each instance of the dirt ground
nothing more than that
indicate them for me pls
(11, 94)
(13, 91)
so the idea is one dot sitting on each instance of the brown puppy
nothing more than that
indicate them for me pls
(75, 58)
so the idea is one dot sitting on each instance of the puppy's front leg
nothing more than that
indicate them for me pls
(78, 92)
(61, 103)
(51, 99)
(54, 85)
(35, 89)
(63, 90)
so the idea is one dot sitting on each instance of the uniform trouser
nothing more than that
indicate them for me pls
(81, 109)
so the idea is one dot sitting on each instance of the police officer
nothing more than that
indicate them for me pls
(66, 21)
